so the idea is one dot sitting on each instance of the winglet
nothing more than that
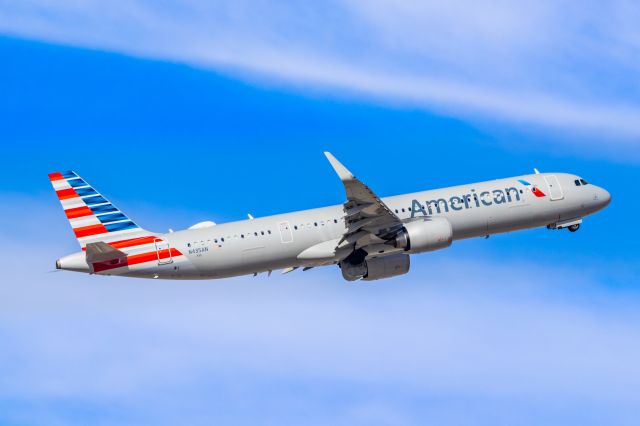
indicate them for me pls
(340, 169)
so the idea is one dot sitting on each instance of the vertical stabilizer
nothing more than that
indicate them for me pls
(93, 218)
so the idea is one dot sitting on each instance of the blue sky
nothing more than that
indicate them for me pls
(223, 111)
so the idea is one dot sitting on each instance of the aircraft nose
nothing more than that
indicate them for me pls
(603, 197)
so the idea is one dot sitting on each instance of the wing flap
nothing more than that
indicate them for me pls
(368, 219)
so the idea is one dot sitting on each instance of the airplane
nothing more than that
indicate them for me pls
(368, 237)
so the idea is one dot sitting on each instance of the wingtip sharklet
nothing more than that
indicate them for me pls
(340, 169)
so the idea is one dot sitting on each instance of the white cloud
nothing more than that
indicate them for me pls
(77, 338)
(566, 65)
(466, 330)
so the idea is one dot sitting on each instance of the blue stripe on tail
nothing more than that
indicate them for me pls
(120, 226)
(94, 200)
(112, 217)
(105, 208)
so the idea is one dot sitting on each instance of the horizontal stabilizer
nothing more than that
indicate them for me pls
(103, 252)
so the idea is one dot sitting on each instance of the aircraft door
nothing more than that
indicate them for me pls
(553, 185)
(163, 252)
(286, 236)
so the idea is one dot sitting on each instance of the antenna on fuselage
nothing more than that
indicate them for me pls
(536, 170)
(250, 216)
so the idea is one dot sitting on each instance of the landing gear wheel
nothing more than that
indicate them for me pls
(574, 228)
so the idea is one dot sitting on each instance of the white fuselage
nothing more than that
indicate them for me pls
(308, 238)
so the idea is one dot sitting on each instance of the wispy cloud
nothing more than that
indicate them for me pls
(90, 339)
(565, 65)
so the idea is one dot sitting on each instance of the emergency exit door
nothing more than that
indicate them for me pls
(163, 251)
(555, 190)
(286, 236)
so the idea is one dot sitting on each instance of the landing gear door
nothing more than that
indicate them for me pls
(163, 251)
(555, 190)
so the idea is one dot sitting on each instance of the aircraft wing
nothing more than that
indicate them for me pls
(368, 219)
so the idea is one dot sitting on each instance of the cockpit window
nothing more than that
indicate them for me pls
(577, 182)
(584, 182)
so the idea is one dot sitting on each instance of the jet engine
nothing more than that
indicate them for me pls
(375, 268)
(418, 236)
(427, 234)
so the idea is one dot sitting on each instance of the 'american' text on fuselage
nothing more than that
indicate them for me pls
(466, 201)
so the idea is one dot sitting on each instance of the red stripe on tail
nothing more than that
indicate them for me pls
(135, 259)
(55, 176)
(64, 194)
(154, 255)
(133, 242)
(78, 212)
(86, 231)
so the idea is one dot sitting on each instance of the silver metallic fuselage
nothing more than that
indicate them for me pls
(308, 238)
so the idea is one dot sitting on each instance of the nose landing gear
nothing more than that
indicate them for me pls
(572, 224)
(574, 228)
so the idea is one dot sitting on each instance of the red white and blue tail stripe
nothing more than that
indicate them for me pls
(92, 217)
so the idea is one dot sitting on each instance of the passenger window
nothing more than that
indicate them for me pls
(335, 220)
(295, 227)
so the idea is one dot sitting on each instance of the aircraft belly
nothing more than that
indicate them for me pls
(501, 218)
(521, 216)
(235, 259)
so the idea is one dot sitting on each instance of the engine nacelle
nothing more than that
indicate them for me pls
(387, 266)
(376, 268)
(428, 234)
